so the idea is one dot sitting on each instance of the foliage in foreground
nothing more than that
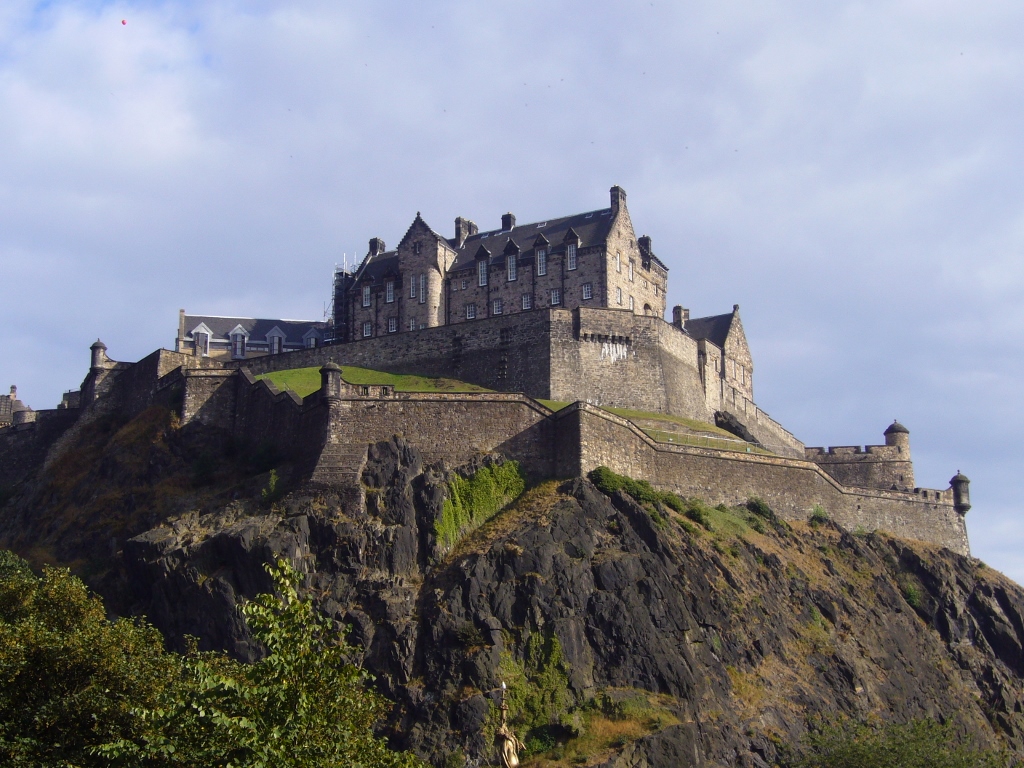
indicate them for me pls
(917, 744)
(79, 690)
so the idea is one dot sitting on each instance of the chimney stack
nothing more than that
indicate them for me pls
(645, 243)
(679, 316)
(508, 221)
(464, 229)
(376, 246)
(618, 199)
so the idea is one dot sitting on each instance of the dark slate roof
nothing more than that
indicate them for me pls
(896, 427)
(714, 328)
(378, 267)
(592, 228)
(258, 328)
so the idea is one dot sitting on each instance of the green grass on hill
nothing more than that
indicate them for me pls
(306, 381)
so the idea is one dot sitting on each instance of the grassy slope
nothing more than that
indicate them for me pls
(306, 381)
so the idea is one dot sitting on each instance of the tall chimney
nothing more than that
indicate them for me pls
(618, 198)
(464, 228)
(376, 246)
(644, 242)
(677, 316)
(508, 221)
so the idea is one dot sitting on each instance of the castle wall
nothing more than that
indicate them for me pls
(23, 447)
(872, 466)
(768, 432)
(790, 486)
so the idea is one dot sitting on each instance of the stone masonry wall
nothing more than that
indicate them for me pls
(790, 486)
(872, 466)
(23, 447)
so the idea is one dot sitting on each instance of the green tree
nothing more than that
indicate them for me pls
(302, 705)
(917, 744)
(70, 680)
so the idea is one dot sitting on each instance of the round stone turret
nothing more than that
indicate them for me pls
(99, 353)
(330, 381)
(961, 493)
(898, 436)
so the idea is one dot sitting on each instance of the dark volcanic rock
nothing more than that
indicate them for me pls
(745, 634)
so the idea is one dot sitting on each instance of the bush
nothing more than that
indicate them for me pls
(699, 512)
(760, 508)
(640, 491)
(917, 744)
(818, 515)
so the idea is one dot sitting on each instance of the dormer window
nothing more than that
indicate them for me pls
(366, 295)
(570, 256)
(542, 261)
(511, 263)
(201, 342)
(238, 345)
(276, 345)
(389, 291)
(481, 273)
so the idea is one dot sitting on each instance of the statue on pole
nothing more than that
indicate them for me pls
(510, 746)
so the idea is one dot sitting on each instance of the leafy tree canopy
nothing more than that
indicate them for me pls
(79, 690)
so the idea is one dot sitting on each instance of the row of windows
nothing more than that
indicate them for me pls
(512, 265)
(389, 291)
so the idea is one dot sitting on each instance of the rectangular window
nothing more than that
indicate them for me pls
(238, 345)
(276, 345)
(481, 272)
(366, 295)
(556, 296)
(465, 284)
(412, 323)
(527, 301)
(631, 271)
(542, 261)
(412, 290)
(423, 288)
(588, 291)
(471, 311)
(512, 267)
(618, 264)
(389, 292)
(310, 342)
(392, 324)
(631, 302)
(497, 307)
(367, 328)
(570, 255)
(618, 296)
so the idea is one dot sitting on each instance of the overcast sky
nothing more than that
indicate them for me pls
(849, 173)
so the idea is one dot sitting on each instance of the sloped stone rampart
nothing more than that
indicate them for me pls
(792, 487)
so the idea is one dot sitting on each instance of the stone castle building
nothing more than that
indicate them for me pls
(561, 320)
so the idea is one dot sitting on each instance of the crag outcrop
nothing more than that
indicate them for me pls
(746, 630)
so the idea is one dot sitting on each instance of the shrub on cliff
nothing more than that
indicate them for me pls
(474, 500)
(917, 744)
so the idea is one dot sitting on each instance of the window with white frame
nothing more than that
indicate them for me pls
(570, 256)
(542, 261)
(556, 296)
(412, 323)
(481, 272)
(471, 311)
(631, 270)
(618, 296)
(238, 345)
(527, 301)
(389, 291)
(392, 324)
(588, 291)
(310, 342)
(423, 288)
(631, 302)
(618, 264)
(366, 295)
(497, 307)
(412, 290)
(422, 326)
(201, 341)
(367, 328)
(276, 345)
(465, 284)
(512, 266)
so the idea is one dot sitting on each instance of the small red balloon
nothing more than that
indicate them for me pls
(123, 22)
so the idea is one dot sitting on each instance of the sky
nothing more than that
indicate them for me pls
(849, 173)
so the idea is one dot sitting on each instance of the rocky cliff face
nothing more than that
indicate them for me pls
(730, 635)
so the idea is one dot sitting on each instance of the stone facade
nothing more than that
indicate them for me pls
(328, 432)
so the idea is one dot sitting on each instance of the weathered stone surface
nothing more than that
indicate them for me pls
(747, 636)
